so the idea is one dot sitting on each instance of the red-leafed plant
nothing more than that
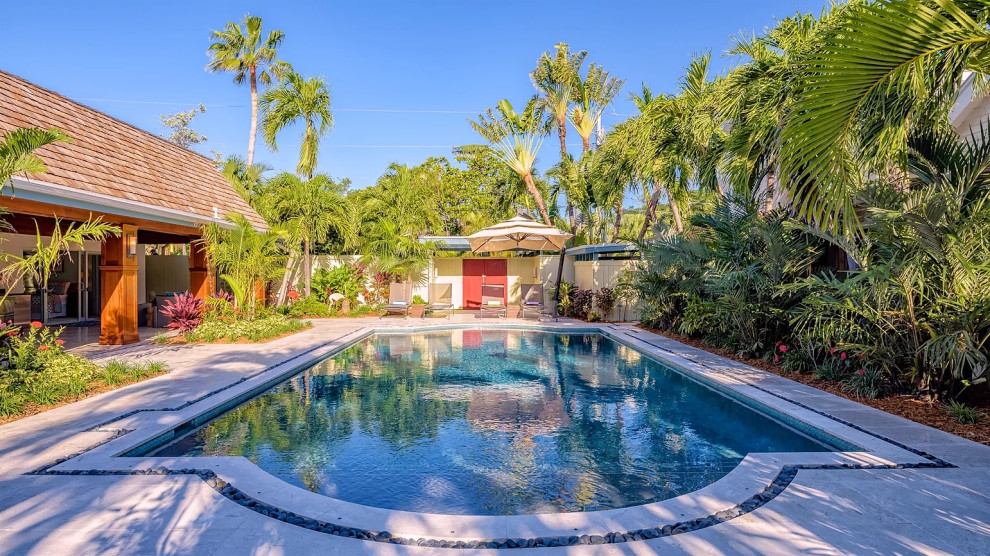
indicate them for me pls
(186, 312)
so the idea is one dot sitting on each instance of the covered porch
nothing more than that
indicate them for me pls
(103, 292)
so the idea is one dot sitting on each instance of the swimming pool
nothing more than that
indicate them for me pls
(492, 422)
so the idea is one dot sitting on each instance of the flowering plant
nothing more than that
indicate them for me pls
(186, 312)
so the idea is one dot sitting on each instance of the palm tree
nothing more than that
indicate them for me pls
(516, 139)
(241, 50)
(556, 78)
(880, 68)
(313, 210)
(17, 151)
(294, 99)
(49, 250)
(244, 257)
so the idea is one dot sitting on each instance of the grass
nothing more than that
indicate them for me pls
(65, 378)
(964, 414)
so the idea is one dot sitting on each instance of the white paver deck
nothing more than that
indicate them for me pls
(855, 511)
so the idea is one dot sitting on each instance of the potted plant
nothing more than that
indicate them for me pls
(417, 308)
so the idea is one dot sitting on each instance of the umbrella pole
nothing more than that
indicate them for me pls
(560, 276)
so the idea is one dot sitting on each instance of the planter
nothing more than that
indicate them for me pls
(512, 311)
(416, 311)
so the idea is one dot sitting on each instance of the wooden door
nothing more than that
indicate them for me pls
(478, 273)
(473, 272)
(495, 274)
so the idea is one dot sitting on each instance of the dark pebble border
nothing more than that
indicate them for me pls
(777, 486)
(768, 493)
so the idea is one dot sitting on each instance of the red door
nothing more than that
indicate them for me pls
(483, 272)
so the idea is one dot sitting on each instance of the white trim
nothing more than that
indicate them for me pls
(111, 203)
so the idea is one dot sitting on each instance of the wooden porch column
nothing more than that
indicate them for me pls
(118, 280)
(200, 278)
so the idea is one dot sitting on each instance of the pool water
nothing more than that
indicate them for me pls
(492, 422)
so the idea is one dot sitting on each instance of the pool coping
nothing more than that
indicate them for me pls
(753, 483)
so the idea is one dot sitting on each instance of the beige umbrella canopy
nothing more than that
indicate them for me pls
(520, 232)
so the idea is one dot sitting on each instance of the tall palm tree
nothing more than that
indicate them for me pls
(516, 139)
(17, 151)
(556, 78)
(313, 210)
(240, 49)
(297, 98)
(881, 68)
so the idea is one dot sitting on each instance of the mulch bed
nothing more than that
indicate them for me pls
(907, 406)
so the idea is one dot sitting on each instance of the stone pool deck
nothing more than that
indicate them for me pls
(943, 508)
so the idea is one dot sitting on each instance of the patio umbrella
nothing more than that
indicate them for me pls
(520, 232)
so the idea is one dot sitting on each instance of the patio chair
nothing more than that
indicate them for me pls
(399, 299)
(492, 301)
(441, 299)
(532, 300)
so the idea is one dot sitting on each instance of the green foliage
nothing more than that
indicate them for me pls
(298, 99)
(49, 249)
(179, 123)
(418, 300)
(244, 257)
(17, 148)
(723, 276)
(964, 414)
(345, 280)
(257, 330)
(866, 383)
(309, 306)
(39, 372)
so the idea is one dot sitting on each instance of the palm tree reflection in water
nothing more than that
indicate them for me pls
(492, 422)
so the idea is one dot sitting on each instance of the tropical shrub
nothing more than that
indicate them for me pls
(581, 301)
(964, 414)
(310, 306)
(345, 280)
(38, 371)
(256, 330)
(418, 300)
(564, 298)
(185, 310)
(604, 301)
(865, 383)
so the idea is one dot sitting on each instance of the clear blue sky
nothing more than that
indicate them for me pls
(407, 56)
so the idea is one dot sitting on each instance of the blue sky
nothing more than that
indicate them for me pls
(383, 60)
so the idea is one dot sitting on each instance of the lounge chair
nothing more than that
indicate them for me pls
(532, 300)
(492, 301)
(399, 299)
(441, 299)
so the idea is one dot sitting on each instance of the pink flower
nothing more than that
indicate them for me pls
(783, 349)
(860, 356)
(842, 355)
(831, 351)
(776, 359)
(35, 324)
(43, 348)
(778, 343)
(861, 372)
(60, 342)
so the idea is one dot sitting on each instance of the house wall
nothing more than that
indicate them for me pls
(447, 270)
(163, 273)
(594, 275)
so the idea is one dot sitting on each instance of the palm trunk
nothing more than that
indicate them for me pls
(562, 135)
(618, 222)
(254, 116)
(585, 144)
(283, 290)
(537, 197)
(651, 210)
(309, 267)
(675, 211)
(771, 182)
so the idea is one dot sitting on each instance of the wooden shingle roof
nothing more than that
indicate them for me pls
(110, 157)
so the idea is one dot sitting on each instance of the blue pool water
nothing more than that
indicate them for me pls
(492, 422)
